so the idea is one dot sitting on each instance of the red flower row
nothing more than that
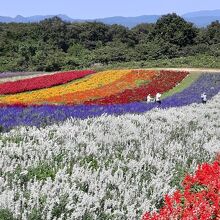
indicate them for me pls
(41, 82)
(161, 82)
(199, 200)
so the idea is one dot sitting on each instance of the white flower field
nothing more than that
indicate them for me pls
(108, 167)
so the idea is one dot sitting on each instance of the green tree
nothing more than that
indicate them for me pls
(53, 31)
(213, 33)
(143, 31)
(89, 34)
(175, 30)
(119, 33)
(113, 52)
(156, 49)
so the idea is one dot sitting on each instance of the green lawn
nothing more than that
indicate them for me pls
(192, 77)
(198, 61)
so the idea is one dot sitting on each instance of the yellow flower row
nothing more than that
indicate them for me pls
(91, 82)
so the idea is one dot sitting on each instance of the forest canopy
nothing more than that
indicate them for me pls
(53, 44)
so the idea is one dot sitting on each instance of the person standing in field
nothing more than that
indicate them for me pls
(149, 99)
(204, 98)
(157, 99)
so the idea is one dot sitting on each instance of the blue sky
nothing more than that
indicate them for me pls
(103, 8)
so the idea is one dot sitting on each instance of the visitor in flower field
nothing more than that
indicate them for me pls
(149, 98)
(157, 99)
(204, 97)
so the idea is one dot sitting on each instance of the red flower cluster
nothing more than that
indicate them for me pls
(41, 82)
(200, 198)
(161, 82)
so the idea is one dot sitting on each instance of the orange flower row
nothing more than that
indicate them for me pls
(129, 81)
(88, 83)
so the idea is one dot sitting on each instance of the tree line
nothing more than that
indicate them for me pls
(53, 44)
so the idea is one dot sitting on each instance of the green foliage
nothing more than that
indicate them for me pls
(90, 161)
(156, 49)
(213, 33)
(54, 45)
(60, 208)
(5, 214)
(175, 30)
(114, 52)
(198, 61)
(41, 172)
(53, 31)
(35, 215)
(197, 188)
(143, 31)
(180, 172)
(141, 82)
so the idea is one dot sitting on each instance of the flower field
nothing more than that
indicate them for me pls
(108, 87)
(200, 198)
(162, 82)
(94, 94)
(85, 145)
(41, 82)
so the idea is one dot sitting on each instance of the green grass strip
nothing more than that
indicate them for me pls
(185, 83)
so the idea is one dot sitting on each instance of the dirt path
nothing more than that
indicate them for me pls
(193, 70)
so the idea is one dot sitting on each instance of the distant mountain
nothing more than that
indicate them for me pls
(206, 13)
(130, 21)
(202, 18)
(203, 21)
(32, 19)
(126, 21)
(199, 18)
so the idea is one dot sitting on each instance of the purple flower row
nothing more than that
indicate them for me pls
(208, 83)
(44, 115)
